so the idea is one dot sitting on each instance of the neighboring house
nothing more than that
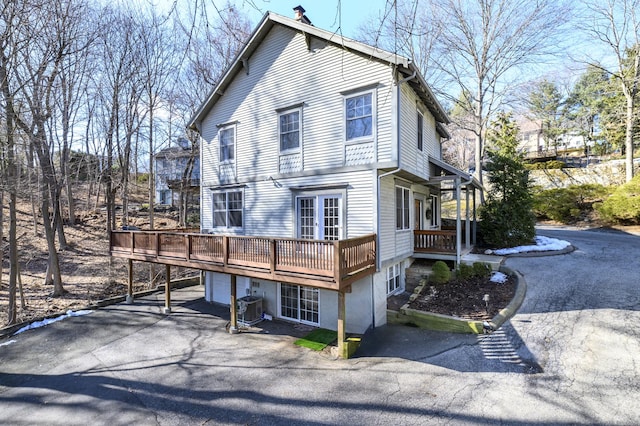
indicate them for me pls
(533, 143)
(311, 136)
(170, 166)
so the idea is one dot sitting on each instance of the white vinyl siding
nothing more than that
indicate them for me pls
(269, 206)
(279, 74)
(413, 159)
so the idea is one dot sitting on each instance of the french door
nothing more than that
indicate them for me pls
(299, 303)
(319, 217)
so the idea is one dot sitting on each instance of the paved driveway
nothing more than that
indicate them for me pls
(570, 356)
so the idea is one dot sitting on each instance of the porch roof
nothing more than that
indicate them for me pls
(448, 172)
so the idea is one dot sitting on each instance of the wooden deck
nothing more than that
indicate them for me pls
(333, 265)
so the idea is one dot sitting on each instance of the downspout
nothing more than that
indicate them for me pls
(398, 150)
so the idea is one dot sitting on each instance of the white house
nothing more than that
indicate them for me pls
(170, 166)
(310, 135)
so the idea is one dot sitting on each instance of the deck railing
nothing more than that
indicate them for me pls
(434, 241)
(340, 261)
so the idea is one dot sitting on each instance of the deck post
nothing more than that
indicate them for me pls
(342, 337)
(129, 299)
(233, 326)
(167, 291)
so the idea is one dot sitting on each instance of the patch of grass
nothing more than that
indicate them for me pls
(318, 339)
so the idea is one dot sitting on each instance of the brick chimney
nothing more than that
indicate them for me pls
(300, 16)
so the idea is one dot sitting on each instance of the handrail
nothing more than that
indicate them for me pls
(335, 260)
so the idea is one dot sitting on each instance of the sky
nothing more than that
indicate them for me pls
(330, 15)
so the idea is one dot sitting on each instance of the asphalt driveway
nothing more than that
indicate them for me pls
(570, 356)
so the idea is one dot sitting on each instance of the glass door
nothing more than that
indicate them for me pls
(299, 303)
(319, 217)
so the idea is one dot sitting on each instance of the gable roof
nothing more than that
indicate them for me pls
(270, 19)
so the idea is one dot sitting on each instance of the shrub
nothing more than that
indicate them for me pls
(481, 269)
(546, 165)
(440, 272)
(507, 218)
(569, 204)
(623, 206)
(464, 271)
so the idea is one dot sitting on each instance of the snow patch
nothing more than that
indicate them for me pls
(7, 343)
(38, 324)
(542, 244)
(498, 277)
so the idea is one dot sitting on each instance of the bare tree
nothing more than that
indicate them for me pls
(10, 43)
(616, 24)
(478, 47)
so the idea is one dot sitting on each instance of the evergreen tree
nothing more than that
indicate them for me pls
(507, 218)
(546, 105)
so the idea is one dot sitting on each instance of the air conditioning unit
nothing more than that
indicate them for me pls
(249, 310)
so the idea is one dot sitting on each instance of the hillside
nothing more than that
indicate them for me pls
(88, 273)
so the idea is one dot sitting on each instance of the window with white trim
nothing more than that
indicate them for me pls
(393, 278)
(402, 208)
(420, 130)
(289, 130)
(359, 116)
(227, 209)
(227, 138)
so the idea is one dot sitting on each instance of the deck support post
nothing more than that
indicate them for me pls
(129, 299)
(167, 291)
(342, 336)
(233, 325)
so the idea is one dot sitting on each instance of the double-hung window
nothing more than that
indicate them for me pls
(393, 278)
(289, 130)
(402, 208)
(227, 209)
(359, 116)
(227, 137)
(420, 130)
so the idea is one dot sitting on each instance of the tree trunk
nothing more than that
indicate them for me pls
(151, 171)
(628, 138)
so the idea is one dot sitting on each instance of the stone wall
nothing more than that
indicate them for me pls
(610, 173)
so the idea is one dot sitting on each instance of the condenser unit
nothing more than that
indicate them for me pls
(249, 310)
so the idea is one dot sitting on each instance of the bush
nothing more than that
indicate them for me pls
(481, 270)
(567, 205)
(440, 272)
(464, 271)
(546, 165)
(623, 206)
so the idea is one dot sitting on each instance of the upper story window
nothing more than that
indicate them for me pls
(227, 137)
(227, 209)
(289, 129)
(420, 130)
(359, 116)
(402, 208)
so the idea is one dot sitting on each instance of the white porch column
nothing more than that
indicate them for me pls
(467, 228)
